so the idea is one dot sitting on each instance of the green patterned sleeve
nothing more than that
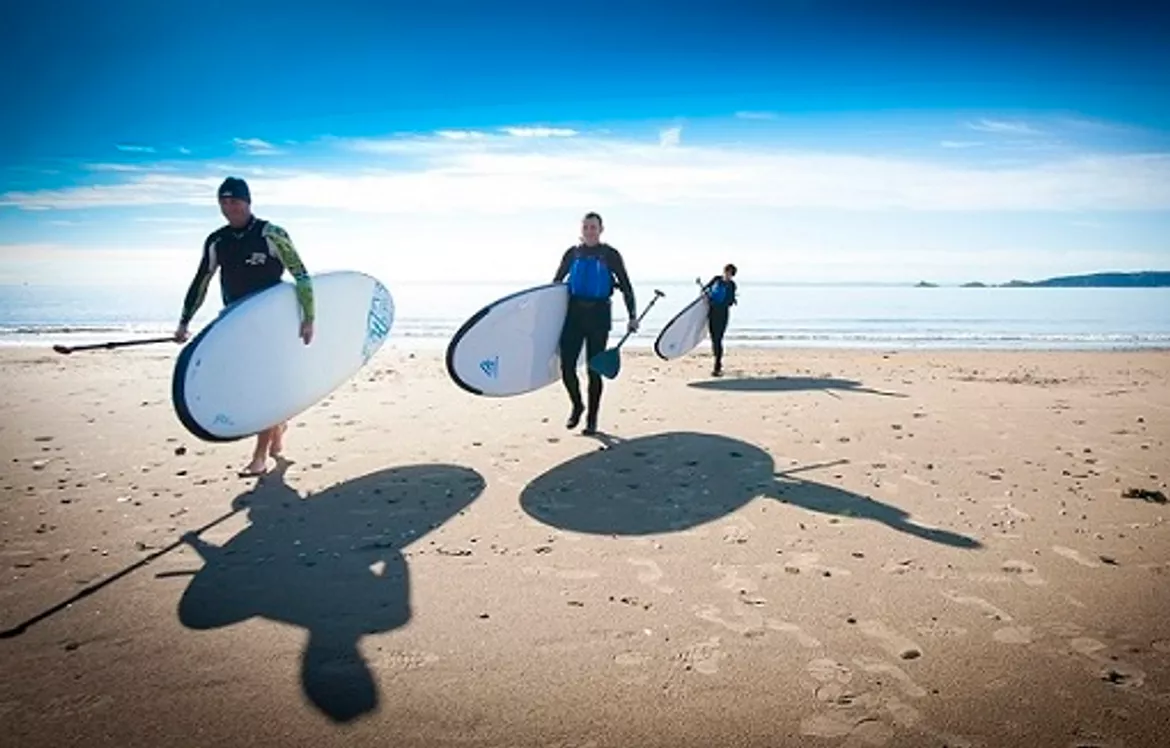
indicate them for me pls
(281, 246)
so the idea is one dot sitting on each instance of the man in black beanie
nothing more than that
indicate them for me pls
(251, 255)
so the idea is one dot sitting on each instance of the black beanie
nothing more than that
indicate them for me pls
(235, 187)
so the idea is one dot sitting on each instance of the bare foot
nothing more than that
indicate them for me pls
(257, 467)
(276, 446)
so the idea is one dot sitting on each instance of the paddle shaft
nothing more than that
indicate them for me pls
(657, 295)
(66, 349)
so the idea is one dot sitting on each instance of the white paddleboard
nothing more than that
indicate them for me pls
(684, 331)
(249, 370)
(511, 346)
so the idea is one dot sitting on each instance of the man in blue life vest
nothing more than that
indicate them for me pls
(251, 255)
(593, 269)
(720, 292)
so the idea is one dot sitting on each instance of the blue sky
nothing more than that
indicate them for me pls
(803, 140)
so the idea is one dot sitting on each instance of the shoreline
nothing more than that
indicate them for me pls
(732, 342)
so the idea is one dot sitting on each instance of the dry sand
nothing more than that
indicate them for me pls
(824, 548)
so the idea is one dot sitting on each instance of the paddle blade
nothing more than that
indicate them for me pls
(607, 363)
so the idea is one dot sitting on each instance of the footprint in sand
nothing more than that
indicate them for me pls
(865, 717)
(1016, 635)
(988, 609)
(825, 670)
(805, 639)
(1076, 556)
(405, 660)
(650, 575)
(894, 643)
(1011, 569)
(800, 563)
(751, 623)
(915, 480)
(863, 729)
(703, 657)
(878, 666)
(632, 659)
(1116, 672)
(734, 580)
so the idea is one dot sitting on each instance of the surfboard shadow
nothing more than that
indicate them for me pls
(330, 563)
(678, 481)
(787, 384)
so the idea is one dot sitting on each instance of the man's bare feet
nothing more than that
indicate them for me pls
(257, 467)
(276, 445)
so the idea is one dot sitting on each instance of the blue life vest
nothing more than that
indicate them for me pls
(589, 278)
(718, 292)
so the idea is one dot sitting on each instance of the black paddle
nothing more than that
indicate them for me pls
(608, 362)
(67, 349)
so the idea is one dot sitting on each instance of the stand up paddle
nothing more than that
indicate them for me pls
(67, 349)
(608, 362)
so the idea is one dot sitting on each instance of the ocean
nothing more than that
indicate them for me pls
(775, 315)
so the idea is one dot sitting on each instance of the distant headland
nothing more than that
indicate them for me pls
(1142, 279)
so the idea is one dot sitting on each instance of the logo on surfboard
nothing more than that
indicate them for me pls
(490, 367)
(378, 320)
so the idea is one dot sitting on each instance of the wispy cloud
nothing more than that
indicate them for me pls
(539, 132)
(256, 147)
(135, 148)
(1004, 127)
(757, 115)
(184, 151)
(461, 134)
(127, 168)
(496, 172)
(961, 143)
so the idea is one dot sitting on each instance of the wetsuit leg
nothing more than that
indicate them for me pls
(717, 326)
(572, 338)
(595, 339)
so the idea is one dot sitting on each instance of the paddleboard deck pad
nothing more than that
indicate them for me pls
(249, 370)
(684, 331)
(511, 346)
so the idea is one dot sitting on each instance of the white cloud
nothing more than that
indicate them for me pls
(539, 132)
(461, 134)
(127, 168)
(256, 147)
(135, 148)
(185, 151)
(961, 143)
(1003, 126)
(757, 115)
(484, 173)
(670, 137)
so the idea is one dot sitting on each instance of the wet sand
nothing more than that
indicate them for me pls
(822, 548)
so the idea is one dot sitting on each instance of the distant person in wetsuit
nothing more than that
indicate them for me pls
(593, 270)
(251, 255)
(720, 292)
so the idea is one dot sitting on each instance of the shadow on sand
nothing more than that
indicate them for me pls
(787, 384)
(677, 481)
(330, 563)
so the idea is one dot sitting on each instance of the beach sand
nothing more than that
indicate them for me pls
(823, 548)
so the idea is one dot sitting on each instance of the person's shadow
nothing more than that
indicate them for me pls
(330, 563)
(788, 384)
(677, 481)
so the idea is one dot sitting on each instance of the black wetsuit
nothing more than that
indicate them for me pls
(250, 259)
(589, 317)
(721, 295)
